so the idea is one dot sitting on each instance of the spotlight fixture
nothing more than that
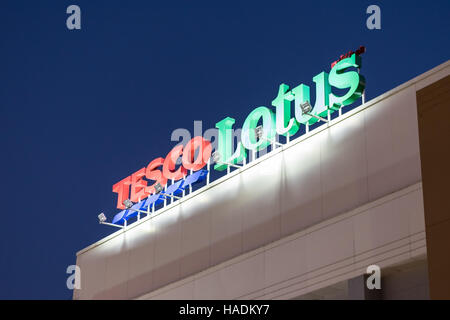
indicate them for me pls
(159, 189)
(101, 217)
(259, 133)
(216, 158)
(306, 109)
(127, 203)
(102, 220)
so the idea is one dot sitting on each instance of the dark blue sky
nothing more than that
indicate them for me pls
(80, 110)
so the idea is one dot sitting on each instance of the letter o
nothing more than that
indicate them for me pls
(202, 157)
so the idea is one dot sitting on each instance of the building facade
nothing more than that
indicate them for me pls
(306, 220)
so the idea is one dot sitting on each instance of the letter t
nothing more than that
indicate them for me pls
(122, 188)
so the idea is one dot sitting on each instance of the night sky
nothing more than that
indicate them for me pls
(82, 109)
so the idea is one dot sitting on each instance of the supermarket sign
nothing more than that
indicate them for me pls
(185, 165)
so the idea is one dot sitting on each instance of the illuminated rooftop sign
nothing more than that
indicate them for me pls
(259, 130)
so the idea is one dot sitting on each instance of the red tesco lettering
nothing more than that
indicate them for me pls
(140, 188)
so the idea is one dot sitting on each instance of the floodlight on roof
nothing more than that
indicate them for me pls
(306, 109)
(158, 188)
(127, 203)
(101, 217)
(129, 206)
(259, 133)
(217, 158)
(102, 220)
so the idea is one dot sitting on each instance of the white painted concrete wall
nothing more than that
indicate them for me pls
(362, 158)
(385, 232)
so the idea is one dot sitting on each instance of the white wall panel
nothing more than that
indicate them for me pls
(195, 237)
(167, 247)
(210, 287)
(372, 230)
(141, 244)
(343, 166)
(93, 269)
(247, 275)
(330, 244)
(301, 198)
(334, 250)
(117, 259)
(293, 253)
(381, 165)
(392, 143)
(405, 137)
(226, 221)
(259, 203)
